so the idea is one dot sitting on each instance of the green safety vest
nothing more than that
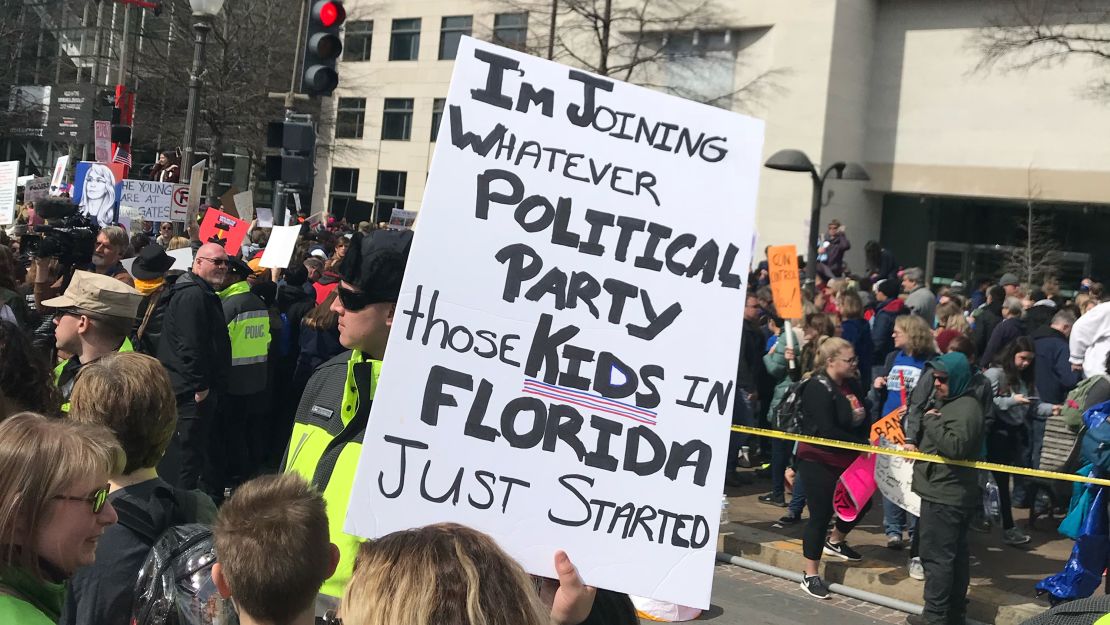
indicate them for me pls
(123, 348)
(249, 331)
(310, 442)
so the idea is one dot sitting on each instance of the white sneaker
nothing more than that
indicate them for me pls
(1014, 536)
(917, 570)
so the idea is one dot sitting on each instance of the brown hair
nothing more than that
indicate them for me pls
(446, 573)
(272, 543)
(39, 459)
(130, 394)
(920, 342)
(177, 243)
(117, 238)
(323, 317)
(850, 305)
(951, 317)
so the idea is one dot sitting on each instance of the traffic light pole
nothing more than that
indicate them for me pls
(201, 28)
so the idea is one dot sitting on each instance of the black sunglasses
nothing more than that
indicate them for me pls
(96, 499)
(943, 379)
(353, 300)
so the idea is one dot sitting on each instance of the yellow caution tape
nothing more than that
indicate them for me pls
(917, 455)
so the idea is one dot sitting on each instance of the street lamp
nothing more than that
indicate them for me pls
(796, 160)
(204, 11)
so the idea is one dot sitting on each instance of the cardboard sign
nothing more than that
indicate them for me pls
(244, 204)
(9, 179)
(179, 202)
(893, 474)
(102, 133)
(152, 200)
(548, 390)
(279, 248)
(265, 217)
(402, 219)
(36, 189)
(227, 203)
(196, 184)
(219, 226)
(782, 263)
(58, 178)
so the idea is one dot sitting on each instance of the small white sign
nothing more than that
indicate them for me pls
(244, 204)
(265, 217)
(279, 248)
(9, 180)
(153, 201)
(59, 175)
(36, 189)
(402, 219)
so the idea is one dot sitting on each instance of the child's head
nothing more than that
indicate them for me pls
(272, 546)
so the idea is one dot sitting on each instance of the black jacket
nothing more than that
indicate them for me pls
(145, 339)
(1054, 375)
(1002, 335)
(987, 320)
(103, 593)
(195, 348)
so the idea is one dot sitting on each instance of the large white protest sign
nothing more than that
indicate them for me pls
(9, 175)
(153, 201)
(562, 358)
(280, 246)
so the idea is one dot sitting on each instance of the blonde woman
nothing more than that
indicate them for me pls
(98, 195)
(53, 508)
(832, 407)
(914, 346)
(449, 573)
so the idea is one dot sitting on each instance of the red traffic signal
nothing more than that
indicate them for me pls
(329, 13)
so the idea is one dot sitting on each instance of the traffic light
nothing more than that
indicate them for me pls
(322, 47)
(297, 142)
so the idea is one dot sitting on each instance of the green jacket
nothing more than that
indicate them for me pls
(956, 433)
(327, 443)
(779, 369)
(65, 373)
(29, 601)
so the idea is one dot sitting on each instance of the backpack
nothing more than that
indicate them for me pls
(788, 416)
(1072, 410)
(1096, 438)
(174, 586)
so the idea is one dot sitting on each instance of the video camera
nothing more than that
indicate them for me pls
(69, 236)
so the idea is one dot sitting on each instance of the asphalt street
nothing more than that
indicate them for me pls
(743, 597)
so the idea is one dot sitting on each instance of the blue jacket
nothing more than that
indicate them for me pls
(882, 328)
(1054, 375)
(858, 333)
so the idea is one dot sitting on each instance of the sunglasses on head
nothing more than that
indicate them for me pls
(96, 500)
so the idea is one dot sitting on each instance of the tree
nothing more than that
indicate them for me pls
(1036, 254)
(681, 47)
(1045, 33)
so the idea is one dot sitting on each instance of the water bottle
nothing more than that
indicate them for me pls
(992, 503)
(724, 510)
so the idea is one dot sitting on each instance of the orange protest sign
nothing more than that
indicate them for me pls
(890, 428)
(782, 263)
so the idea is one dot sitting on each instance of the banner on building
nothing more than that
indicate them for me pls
(562, 358)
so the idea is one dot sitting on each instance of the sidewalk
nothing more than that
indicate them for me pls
(1003, 577)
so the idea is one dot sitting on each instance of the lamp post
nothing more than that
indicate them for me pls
(203, 13)
(796, 160)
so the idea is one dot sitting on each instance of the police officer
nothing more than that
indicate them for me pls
(241, 407)
(93, 317)
(332, 414)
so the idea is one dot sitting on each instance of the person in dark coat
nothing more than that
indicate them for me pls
(1054, 375)
(856, 331)
(745, 409)
(888, 307)
(152, 283)
(987, 318)
(196, 352)
(131, 395)
(833, 249)
(1011, 327)
(881, 264)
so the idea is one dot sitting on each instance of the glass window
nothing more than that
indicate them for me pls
(350, 118)
(391, 191)
(397, 119)
(451, 31)
(437, 116)
(511, 30)
(344, 188)
(404, 45)
(357, 37)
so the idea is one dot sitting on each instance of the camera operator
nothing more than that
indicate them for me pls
(111, 243)
(94, 317)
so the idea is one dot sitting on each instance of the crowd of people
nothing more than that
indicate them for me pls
(135, 402)
(972, 373)
(136, 398)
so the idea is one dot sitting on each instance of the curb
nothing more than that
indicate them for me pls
(986, 604)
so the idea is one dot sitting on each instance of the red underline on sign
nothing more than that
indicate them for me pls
(603, 400)
(584, 403)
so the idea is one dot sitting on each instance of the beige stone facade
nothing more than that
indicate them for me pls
(888, 83)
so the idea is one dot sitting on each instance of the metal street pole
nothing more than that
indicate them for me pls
(814, 226)
(551, 30)
(201, 27)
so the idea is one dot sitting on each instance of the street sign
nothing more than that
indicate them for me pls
(179, 202)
